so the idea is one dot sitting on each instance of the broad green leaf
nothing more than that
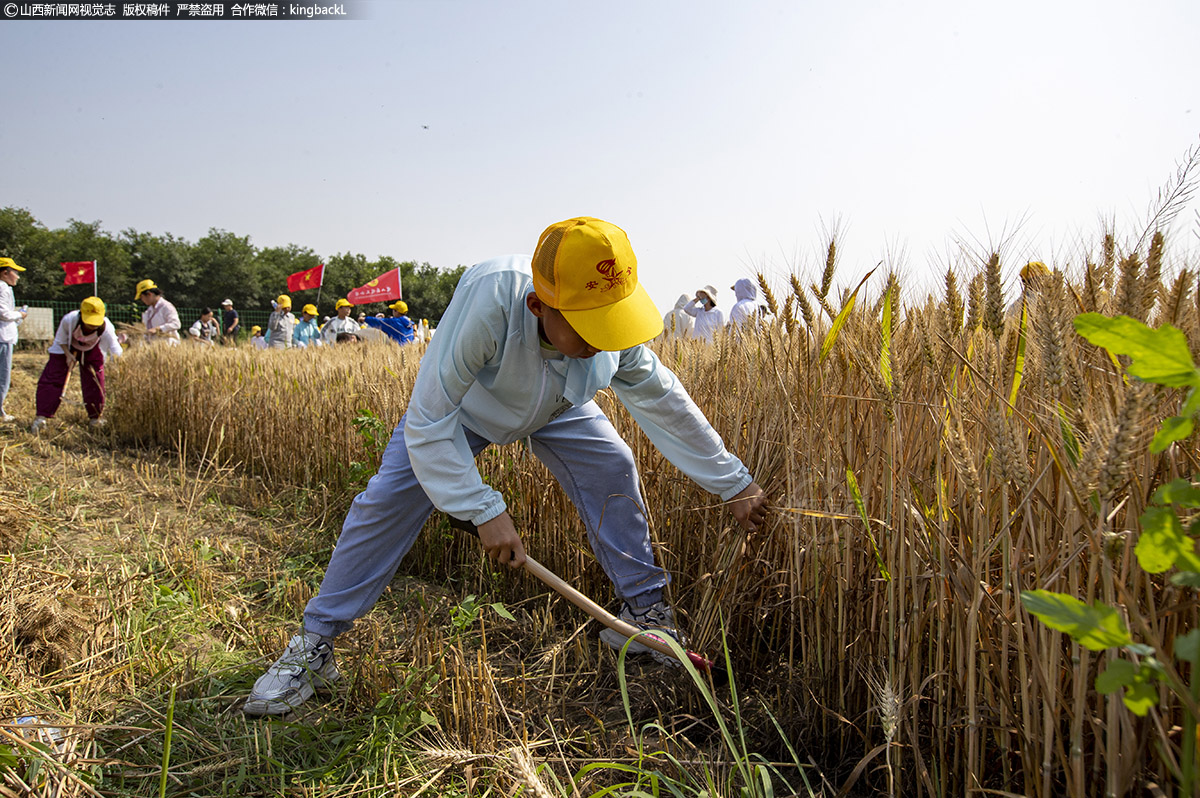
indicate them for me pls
(1140, 697)
(1162, 541)
(1191, 405)
(1186, 579)
(502, 611)
(1173, 429)
(840, 320)
(885, 349)
(1019, 367)
(1161, 356)
(1119, 673)
(1094, 626)
(1187, 647)
(1178, 491)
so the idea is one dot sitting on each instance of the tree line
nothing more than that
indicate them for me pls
(201, 274)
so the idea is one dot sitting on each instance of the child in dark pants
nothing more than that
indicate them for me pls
(521, 351)
(84, 337)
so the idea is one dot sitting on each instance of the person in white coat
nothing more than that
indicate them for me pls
(708, 317)
(744, 312)
(342, 324)
(677, 324)
(10, 317)
(160, 318)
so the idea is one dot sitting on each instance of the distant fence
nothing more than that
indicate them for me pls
(128, 313)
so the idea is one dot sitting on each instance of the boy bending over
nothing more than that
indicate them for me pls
(521, 351)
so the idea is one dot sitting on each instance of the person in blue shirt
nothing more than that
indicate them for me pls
(307, 332)
(521, 351)
(399, 327)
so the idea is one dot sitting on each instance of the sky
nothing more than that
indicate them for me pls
(726, 138)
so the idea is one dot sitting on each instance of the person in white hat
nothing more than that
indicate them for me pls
(230, 323)
(708, 317)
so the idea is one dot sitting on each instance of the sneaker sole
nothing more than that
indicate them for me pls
(260, 707)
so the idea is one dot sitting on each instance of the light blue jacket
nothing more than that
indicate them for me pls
(306, 333)
(487, 370)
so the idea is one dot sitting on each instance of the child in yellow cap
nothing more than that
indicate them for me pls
(10, 317)
(84, 337)
(342, 323)
(522, 349)
(160, 318)
(281, 324)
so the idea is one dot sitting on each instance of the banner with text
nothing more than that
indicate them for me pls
(384, 287)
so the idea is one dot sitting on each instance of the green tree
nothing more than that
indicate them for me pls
(229, 267)
(167, 261)
(27, 241)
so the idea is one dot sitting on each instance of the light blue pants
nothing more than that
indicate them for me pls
(6, 351)
(587, 457)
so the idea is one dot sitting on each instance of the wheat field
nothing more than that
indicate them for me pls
(890, 633)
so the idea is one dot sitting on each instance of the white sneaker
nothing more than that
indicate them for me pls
(98, 423)
(38, 425)
(657, 616)
(6, 418)
(305, 667)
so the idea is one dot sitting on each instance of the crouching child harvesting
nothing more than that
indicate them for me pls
(521, 351)
(84, 337)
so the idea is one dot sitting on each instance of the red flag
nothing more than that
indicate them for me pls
(309, 278)
(80, 271)
(385, 286)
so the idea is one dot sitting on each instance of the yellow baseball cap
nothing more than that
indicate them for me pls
(283, 301)
(1034, 267)
(585, 268)
(91, 311)
(143, 287)
(400, 306)
(255, 329)
(309, 309)
(9, 263)
(343, 303)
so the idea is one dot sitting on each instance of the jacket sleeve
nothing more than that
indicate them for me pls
(674, 424)
(8, 307)
(471, 333)
(62, 336)
(692, 308)
(108, 340)
(172, 322)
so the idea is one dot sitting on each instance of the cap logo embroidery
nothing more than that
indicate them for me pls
(613, 276)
